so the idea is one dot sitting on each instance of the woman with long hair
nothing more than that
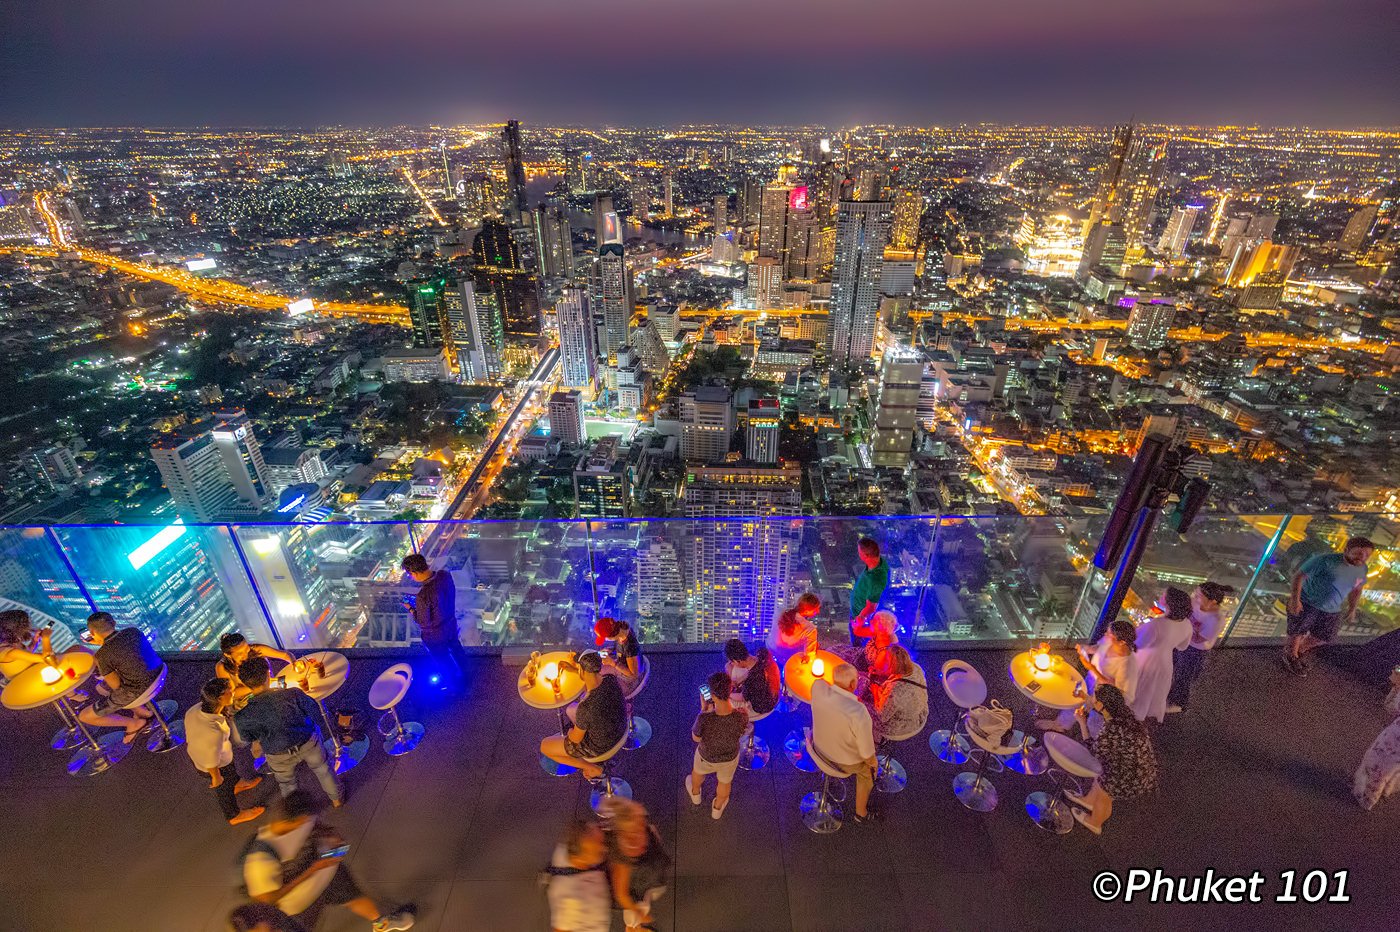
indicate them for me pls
(1158, 639)
(637, 861)
(1112, 662)
(1124, 751)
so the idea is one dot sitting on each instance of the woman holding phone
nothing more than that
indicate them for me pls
(718, 731)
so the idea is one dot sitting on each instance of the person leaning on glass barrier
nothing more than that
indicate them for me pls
(127, 665)
(868, 589)
(1326, 590)
(1124, 751)
(208, 741)
(794, 631)
(234, 648)
(434, 610)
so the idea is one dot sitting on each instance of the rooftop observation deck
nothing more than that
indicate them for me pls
(1256, 776)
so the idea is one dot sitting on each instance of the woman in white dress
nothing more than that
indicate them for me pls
(1157, 639)
(1379, 773)
(1113, 661)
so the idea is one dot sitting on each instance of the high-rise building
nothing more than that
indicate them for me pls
(1104, 247)
(214, 469)
(498, 271)
(897, 407)
(477, 332)
(721, 214)
(764, 287)
(554, 240)
(750, 203)
(517, 207)
(1106, 198)
(667, 320)
(862, 232)
(425, 312)
(612, 299)
(651, 348)
(904, 227)
(1265, 256)
(566, 418)
(741, 565)
(668, 195)
(1128, 188)
(780, 196)
(761, 435)
(1178, 231)
(1357, 228)
(659, 581)
(707, 423)
(607, 227)
(633, 381)
(578, 357)
(1149, 323)
(601, 486)
(52, 467)
(804, 246)
(576, 170)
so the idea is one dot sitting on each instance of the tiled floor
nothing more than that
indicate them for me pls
(1256, 776)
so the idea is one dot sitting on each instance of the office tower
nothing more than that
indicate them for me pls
(761, 436)
(554, 240)
(607, 228)
(668, 195)
(862, 232)
(1149, 323)
(782, 195)
(897, 407)
(1357, 228)
(52, 467)
(721, 214)
(425, 314)
(904, 227)
(214, 469)
(1178, 232)
(724, 248)
(1263, 257)
(804, 245)
(498, 271)
(750, 202)
(1128, 187)
(633, 382)
(659, 582)
(566, 418)
(1103, 248)
(650, 347)
(578, 358)
(1102, 208)
(517, 207)
(612, 299)
(764, 288)
(707, 423)
(576, 170)
(741, 565)
(477, 332)
(601, 487)
(667, 320)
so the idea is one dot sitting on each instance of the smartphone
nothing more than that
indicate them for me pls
(705, 692)
(606, 655)
(337, 852)
(280, 682)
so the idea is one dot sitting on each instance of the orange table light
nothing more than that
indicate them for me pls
(818, 667)
(50, 675)
(551, 672)
(1041, 657)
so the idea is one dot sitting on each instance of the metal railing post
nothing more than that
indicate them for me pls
(1254, 579)
(52, 535)
(257, 593)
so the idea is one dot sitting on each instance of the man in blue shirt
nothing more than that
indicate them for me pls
(1326, 589)
(284, 724)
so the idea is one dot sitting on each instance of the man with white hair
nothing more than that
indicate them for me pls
(842, 733)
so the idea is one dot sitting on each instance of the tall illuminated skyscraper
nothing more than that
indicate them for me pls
(1128, 188)
(782, 195)
(1150, 322)
(566, 418)
(707, 423)
(554, 244)
(908, 211)
(761, 435)
(1104, 246)
(1357, 228)
(517, 206)
(425, 314)
(862, 232)
(578, 358)
(612, 299)
(721, 213)
(897, 407)
(477, 331)
(1178, 232)
(1106, 198)
(214, 468)
(498, 271)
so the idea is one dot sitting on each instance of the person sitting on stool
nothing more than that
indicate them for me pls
(599, 719)
(128, 666)
(842, 732)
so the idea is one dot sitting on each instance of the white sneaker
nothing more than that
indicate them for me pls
(716, 810)
(394, 922)
(694, 795)
(1173, 709)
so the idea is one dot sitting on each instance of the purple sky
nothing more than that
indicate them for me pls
(179, 62)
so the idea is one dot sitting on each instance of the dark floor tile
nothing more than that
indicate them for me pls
(732, 904)
(842, 900)
(497, 905)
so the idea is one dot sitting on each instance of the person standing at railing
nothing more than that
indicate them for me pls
(434, 609)
(1326, 590)
(1205, 630)
(869, 588)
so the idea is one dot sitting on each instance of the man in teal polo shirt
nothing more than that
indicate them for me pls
(1326, 589)
(870, 586)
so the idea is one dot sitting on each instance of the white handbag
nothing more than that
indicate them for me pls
(990, 723)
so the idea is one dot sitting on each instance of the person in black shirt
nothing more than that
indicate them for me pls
(283, 723)
(626, 660)
(600, 720)
(127, 665)
(234, 648)
(434, 610)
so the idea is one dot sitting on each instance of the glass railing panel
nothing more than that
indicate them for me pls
(183, 585)
(34, 579)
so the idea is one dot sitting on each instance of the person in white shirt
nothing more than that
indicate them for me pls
(209, 743)
(580, 897)
(842, 732)
(1157, 639)
(1205, 631)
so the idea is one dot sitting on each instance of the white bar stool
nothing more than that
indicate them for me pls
(385, 694)
(972, 788)
(754, 754)
(1073, 762)
(639, 729)
(821, 809)
(966, 689)
(164, 735)
(608, 785)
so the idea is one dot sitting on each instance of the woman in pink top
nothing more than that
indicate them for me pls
(794, 631)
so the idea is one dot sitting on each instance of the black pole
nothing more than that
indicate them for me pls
(1127, 569)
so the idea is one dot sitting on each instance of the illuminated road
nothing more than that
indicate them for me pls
(433, 211)
(495, 454)
(57, 235)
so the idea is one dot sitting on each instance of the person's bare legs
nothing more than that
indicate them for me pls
(722, 793)
(553, 748)
(865, 782)
(365, 908)
(130, 723)
(695, 783)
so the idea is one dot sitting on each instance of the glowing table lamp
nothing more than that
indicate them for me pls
(50, 675)
(818, 667)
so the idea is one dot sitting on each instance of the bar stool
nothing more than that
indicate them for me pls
(754, 754)
(890, 776)
(966, 689)
(821, 809)
(164, 736)
(1073, 762)
(607, 785)
(972, 788)
(385, 694)
(639, 729)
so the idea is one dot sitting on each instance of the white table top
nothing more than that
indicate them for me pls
(319, 687)
(542, 695)
(1053, 688)
(797, 672)
(29, 691)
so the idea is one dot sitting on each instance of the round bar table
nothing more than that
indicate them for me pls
(29, 691)
(1059, 686)
(798, 678)
(552, 694)
(321, 684)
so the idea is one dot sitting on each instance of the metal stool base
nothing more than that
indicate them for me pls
(1049, 812)
(754, 754)
(890, 777)
(975, 791)
(88, 762)
(819, 818)
(65, 738)
(795, 747)
(348, 756)
(404, 740)
(1031, 761)
(639, 735)
(555, 769)
(950, 747)
(165, 739)
(617, 787)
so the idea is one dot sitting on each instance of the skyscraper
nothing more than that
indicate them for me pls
(1178, 231)
(904, 227)
(566, 418)
(606, 225)
(761, 435)
(1106, 198)
(1104, 246)
(517, 207)
(668, 194)
(721, 213)
(1357, 228)
(554, 242)
(52, 467)
(576, 169)
(578, 358)
(764, 287)
(476, 330)
(1127, 189)
(1149, 323)
(425, 315)
(778, 198)
(214, 469)
(612, 298)
(862, 231)
(897, 407)
(707, 422)
(498, 271)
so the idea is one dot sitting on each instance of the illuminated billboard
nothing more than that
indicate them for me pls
(200, 265)
(797, 200)
(612, 228)
(301, 306)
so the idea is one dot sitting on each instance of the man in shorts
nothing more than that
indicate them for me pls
(718, 731)
(127, 665)
(1326, 590)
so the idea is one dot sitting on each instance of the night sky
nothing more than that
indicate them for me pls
(1328, 63)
